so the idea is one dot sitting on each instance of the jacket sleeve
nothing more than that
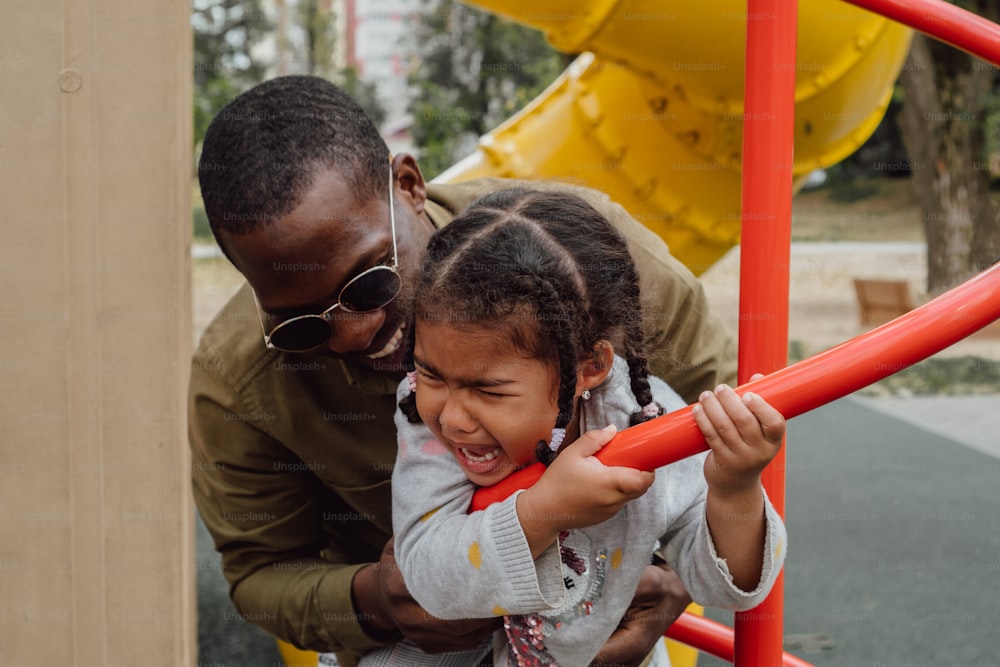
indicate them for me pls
(439, 544)
(266, 520)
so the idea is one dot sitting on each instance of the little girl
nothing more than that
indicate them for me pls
(525, 336)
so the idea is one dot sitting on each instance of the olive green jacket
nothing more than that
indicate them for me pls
(293, 453)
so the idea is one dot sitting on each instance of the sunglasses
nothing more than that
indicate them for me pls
(370, 290)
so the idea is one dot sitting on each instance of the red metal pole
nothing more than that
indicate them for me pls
(715, 639)
(944, 21)
(765, 242)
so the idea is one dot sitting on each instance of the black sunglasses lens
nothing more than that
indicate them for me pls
(373, 289)
(301, 335)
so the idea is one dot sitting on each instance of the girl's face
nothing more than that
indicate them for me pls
(483, 399)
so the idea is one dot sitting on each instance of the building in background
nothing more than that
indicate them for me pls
(372, 36)
(382, 47)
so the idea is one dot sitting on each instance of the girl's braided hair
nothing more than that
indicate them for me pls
(546, 270)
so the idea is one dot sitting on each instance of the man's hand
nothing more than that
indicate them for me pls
(659, 600)
(387, 612)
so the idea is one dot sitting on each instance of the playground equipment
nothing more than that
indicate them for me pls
(652, 110)
(681, 168)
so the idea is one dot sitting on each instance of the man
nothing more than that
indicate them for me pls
(293, 383)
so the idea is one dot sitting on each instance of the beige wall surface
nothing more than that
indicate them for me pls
(96, 558)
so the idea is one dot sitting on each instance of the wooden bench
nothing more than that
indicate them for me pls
(882, 300)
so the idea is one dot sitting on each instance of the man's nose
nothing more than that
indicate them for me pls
(355, 332)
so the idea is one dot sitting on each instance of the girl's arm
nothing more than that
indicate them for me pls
(744, 434)
(458, 565)
(576, 491)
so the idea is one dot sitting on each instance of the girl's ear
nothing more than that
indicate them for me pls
(594, 369)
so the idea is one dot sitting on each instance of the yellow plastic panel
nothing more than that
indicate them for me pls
(652, 114)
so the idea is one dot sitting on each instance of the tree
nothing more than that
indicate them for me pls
(475, 70)
(225, 34)
(943, 121)
(364, 93)
(317, 20)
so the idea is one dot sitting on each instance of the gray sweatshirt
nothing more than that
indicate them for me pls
(560, 608)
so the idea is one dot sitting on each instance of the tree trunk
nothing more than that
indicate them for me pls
(942, 121)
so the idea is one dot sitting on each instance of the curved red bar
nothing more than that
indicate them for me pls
(944, 21)
(715, 639)
(810, 383)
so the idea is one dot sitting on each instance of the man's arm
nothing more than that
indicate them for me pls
(265, 515)
(388, 611)
(293, 567)
(659, 600)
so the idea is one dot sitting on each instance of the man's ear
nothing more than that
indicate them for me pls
(410, 179)
(594, 369)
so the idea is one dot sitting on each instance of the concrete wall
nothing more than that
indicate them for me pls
(96, 523)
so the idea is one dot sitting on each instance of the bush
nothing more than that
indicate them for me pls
(201, 230)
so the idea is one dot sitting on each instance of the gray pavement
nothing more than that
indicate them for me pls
(225, 639)
(893, 512)
(894, 533)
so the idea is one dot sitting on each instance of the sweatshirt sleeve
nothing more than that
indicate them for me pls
(459, 565)
(689, 549)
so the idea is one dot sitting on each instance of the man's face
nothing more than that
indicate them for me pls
(299, 264)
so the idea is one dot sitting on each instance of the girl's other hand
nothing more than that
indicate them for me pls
(744, 434)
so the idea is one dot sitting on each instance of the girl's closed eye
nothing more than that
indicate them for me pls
(426, 376)
(492, 394)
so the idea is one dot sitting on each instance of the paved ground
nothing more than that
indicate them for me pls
(224, 638)
(894, 536)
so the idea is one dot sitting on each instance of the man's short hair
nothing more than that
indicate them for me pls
(262, 151)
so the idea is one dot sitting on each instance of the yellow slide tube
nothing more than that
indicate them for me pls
(651, 111)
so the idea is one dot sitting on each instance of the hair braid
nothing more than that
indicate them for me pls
(558, 325)
(638, 368)
(408, 404)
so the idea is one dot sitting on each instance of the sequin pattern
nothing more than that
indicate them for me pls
(526, 633)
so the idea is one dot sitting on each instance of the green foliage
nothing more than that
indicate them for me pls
(941, 376)
(225, 33)
(796, 351)
(846, 186)
(363, 92)
(318, 25)
(475, 71)
(947, 376)
(202, 230)
(991, 157)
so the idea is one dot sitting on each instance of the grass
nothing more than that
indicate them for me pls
(202, 232)
(888, 212)
(935, 376)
